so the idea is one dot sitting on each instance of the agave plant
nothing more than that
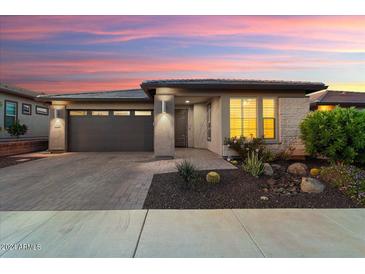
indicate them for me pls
(188, 172)
(253, 164)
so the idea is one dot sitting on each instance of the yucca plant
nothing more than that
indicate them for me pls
(188, 172)
(253, 164)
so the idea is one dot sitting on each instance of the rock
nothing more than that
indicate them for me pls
(268, 171)
(298, 169)
(315, 172)
(276, 166)
(271, 182)
(265, 189)
(293, 189)
(311, 185)
(264, 198)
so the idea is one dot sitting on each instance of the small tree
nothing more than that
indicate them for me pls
(338, 134)
(17, 129)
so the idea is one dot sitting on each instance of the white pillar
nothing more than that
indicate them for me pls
(164, 126)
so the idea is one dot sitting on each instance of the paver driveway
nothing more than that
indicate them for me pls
(90, 181)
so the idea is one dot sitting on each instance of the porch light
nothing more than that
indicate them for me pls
(163, 106)
(187, 101)
(57, 113)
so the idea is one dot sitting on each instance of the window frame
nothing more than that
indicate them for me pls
(92, 114)
(16, 111)
(259, 116)
(209, 122)
(30, 109)
(78, 115)
(122, 115)
(141, 110)
(40, 113)
(257, 112)
(276, 111)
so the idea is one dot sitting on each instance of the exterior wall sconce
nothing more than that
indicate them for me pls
(57, 113)
(163, 106)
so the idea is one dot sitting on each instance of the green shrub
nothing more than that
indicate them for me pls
(349, 179)
(188, 172)
(253, 164)
(17, 129)
(244, 146)
(338, 134)
(213, 177)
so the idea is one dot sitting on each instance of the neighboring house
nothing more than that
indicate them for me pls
(329, 99)
(17, 104)
(179, 113)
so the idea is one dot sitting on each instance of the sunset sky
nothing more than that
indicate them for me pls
(88, 53)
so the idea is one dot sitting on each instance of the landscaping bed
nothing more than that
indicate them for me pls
(239, 189)
(10, 161)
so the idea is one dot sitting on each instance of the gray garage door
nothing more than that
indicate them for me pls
(110, 130)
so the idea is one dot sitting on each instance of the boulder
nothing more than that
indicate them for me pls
(268, 171)
(311, 185)
(264, 198)
(298, 169)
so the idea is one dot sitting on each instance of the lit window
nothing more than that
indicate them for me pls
(11, 113)
(326, 107)
(78, 113)
(268, 118)
(100, 113)
(121, 113)
(243, 117)
(143, 113)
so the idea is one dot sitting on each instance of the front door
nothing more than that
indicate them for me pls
(181, 127)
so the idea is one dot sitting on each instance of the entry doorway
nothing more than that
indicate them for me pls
(181, 128)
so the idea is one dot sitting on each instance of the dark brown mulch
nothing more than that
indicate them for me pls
(237, 189)
(10, 161)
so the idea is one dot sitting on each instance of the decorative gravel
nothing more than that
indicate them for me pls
(238, 189)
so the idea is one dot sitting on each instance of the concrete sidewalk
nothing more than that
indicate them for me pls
(184, 233)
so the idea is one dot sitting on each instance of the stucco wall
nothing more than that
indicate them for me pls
(58, 129)
(215, 144)
(37, 124)
(200, 125)
(164, 126)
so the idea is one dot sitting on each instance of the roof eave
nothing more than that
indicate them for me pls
(50, 99)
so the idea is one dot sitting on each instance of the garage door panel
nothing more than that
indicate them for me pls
(110, 133)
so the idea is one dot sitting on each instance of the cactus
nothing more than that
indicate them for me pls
(315, 172)
(234, 162)
(213, 177)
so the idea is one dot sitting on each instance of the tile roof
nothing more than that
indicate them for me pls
(233, 84)
(19, 91)
(114, 95)
(337, 97)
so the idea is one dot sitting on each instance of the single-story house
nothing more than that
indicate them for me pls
(329, 99)
(165, 114)
(18, 104)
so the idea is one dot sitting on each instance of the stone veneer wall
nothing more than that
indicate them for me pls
(291, 112)
(22, 146)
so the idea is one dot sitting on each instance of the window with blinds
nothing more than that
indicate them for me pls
(268, 118)
(243, 117)
(245, 122)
